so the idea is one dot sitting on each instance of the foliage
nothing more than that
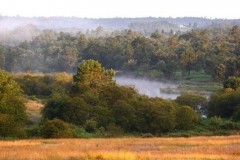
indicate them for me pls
(214, 51)
(225, 103)
(92, 77)
(90, 126)
(61, 106)
(186, 117)
(12, 109)
(196, 102)
(232, 82)
(43, 85)
(154, 115)
(56, 129)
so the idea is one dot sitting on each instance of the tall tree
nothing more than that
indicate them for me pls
(92, 77)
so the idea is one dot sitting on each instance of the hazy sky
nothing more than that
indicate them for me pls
(122, 8)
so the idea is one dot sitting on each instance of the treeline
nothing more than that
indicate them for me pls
(91, 104)
(66, 23)
(216, 52)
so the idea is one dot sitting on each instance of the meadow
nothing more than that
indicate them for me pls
(194, 148)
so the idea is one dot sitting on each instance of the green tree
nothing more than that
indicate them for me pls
(12, 109)
(234, 39)
(92, 77)
(187, 55)
(68, 58)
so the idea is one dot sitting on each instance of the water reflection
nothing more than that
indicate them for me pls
(150, 88)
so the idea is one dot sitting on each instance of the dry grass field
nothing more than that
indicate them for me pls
(33, 109)
(195, 148)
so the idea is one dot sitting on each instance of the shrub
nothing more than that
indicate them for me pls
(196, 102)
(113, 130)
(224, 103)
(186, 117)
(232, 82)
(147, 135)
(56, 129)
(66, 108)
(90, 126)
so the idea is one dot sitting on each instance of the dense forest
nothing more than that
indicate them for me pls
(72, 73)
(214, 51)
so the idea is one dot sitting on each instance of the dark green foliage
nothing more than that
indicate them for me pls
(217, 123)
(232, 82)
(113, 130)
(113, 93)
(154, 115)
(44, 85)
(90, 126)
(236, 114)
(56, 129)
(186, 117)
(224, 103)
(196, 102)
(73, 110)
(124, 114)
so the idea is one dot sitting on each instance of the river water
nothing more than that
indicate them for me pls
(151, 88)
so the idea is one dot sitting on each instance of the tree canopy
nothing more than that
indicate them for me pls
(12, 109)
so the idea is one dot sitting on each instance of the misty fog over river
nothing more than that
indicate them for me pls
(150, 88)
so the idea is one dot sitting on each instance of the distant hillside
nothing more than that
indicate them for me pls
(83, 24)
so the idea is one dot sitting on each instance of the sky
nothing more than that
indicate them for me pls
(229, 9)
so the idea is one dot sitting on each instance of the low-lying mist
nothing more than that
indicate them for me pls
(150, 88)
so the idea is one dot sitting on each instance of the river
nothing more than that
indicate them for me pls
(150, 88)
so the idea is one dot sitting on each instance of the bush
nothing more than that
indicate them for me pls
(196, 102)
(232, 82)
(90, 126)
(56, 129)
(153, 115)
(186, 117)
(43, 85)
(66, 108)
(113, 130)
(147, 135)
(224, 103)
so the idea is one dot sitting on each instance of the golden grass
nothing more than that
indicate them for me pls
(195, 148)
(33, 109)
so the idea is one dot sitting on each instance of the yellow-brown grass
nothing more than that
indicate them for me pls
(196, 148)
(33, 109)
